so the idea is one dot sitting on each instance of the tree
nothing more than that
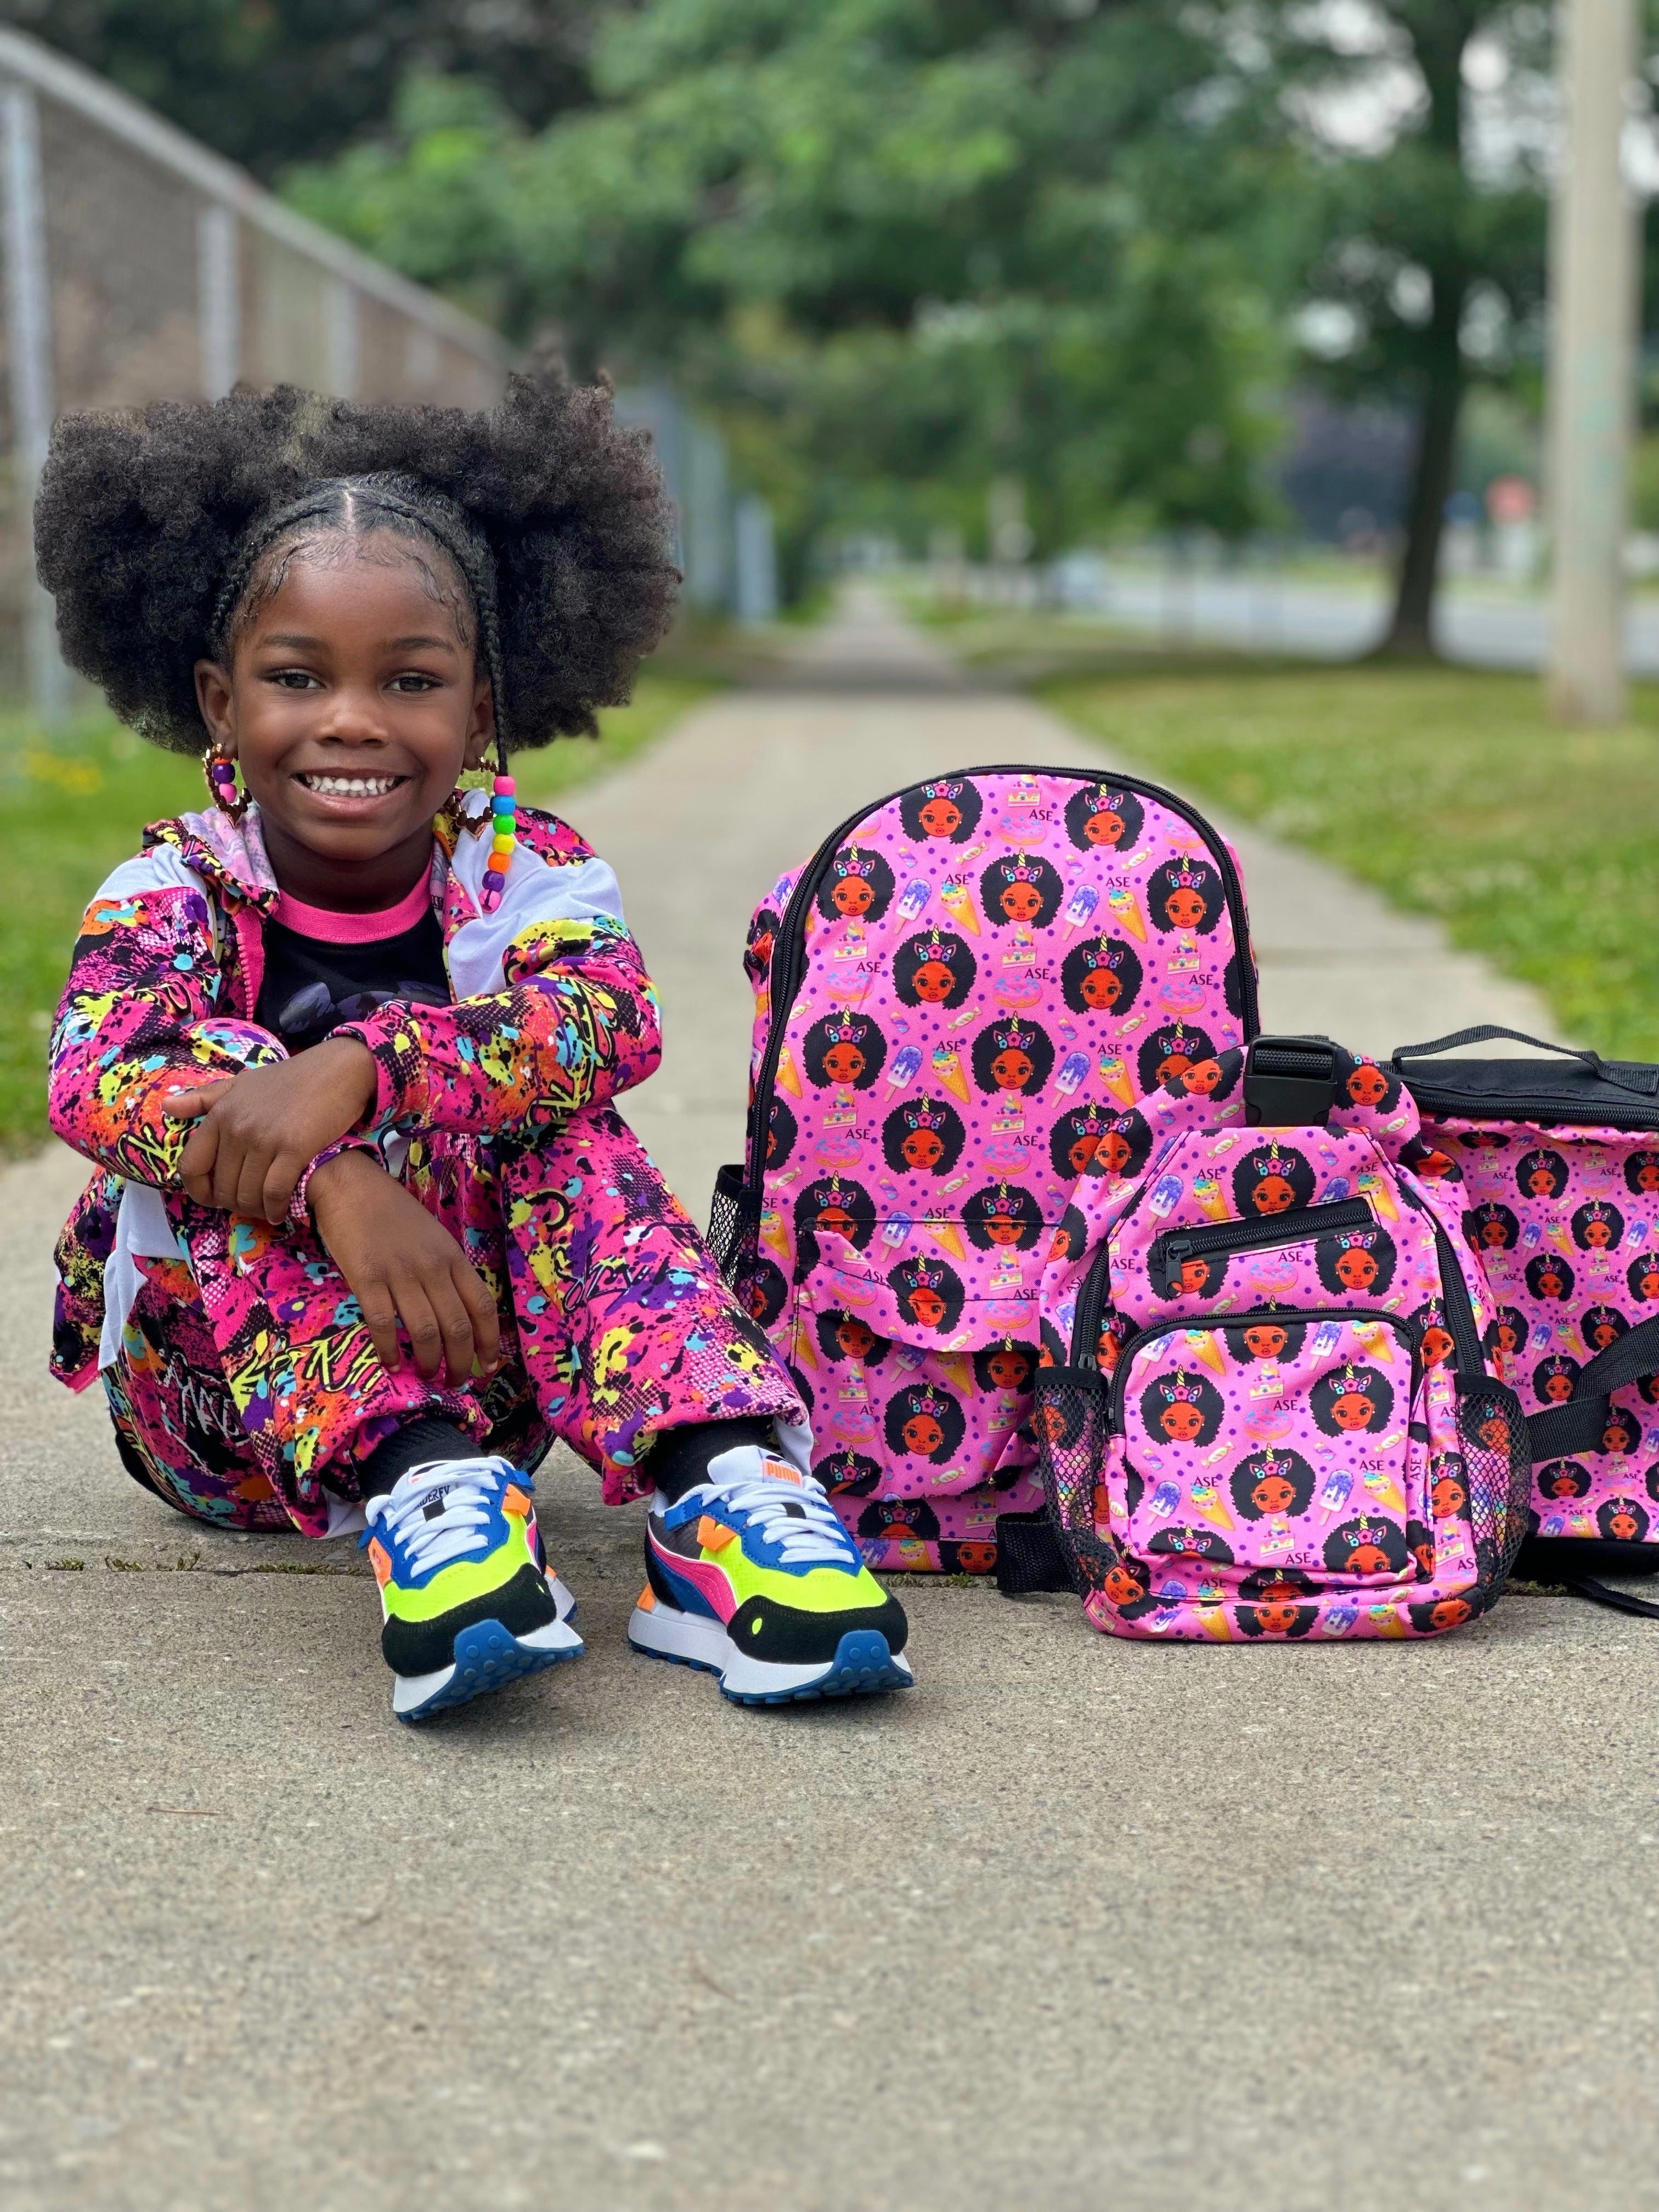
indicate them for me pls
(270, 83)
(926, 241)
(1429, 261)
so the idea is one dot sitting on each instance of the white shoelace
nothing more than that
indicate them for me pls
(794, 1515)
(464, 1490)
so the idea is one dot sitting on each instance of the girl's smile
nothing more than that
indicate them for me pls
(351, 705)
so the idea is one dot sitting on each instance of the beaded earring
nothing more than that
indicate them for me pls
(503, 809)
(221, 772)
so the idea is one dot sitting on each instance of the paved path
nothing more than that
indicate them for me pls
(1073, 1924)
(1269, 613)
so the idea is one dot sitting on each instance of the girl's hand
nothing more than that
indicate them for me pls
(261, 1131)
(404, 1266)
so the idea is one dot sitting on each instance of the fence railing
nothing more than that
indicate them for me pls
(139, 265)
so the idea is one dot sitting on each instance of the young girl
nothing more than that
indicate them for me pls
(366, 1232)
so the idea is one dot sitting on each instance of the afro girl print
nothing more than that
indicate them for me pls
(1101, 818)
(935, 968)
(859, 887)
(945, 812)
(1187, 895)
(1101, 976)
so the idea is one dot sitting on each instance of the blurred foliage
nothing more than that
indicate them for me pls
(1448, 789)
(111, 783)
(904, 247)
(888, 243)
(269, 82)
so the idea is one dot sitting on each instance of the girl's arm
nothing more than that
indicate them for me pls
(575, 1024)
(144, 1016)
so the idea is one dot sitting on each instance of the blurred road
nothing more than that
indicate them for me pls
(1072, 1923)
(1268, 613)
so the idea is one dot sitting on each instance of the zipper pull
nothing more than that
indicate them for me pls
(1177, 1250)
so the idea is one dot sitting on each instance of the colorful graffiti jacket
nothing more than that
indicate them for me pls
(552, 1011)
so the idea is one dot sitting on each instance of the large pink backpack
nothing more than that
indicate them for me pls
(958, 998)
(1268, 1414)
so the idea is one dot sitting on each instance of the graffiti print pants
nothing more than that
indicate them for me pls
(247, 1391)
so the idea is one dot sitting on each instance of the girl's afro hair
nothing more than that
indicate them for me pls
(140, 515)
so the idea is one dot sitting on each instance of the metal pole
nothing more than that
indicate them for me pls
(28, 344)
(341, 308)
(1592, 361)
(218, 297)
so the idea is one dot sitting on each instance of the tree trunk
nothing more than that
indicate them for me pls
(1411, 631)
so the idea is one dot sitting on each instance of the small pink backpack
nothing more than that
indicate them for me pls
(1268, 1414)
(956, 999)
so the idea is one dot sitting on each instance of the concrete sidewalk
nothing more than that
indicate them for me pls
(1073, 1924)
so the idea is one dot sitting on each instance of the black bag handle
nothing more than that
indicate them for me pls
(1484, 1032)
(1557, 1431)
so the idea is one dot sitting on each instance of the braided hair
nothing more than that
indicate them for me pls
(160, 530)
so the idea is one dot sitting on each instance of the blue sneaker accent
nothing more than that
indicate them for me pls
(862, 1666)
(487, 1658)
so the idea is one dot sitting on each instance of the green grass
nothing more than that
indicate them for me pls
(1449, 790)
(73, 811)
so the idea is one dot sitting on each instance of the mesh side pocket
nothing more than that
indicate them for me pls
(733, 1226)
(1070, 1425)
(1498, 1460)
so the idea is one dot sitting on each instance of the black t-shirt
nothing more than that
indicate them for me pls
(313, 984)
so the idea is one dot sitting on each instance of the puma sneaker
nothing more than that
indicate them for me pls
(751, 1576)
(468, 1603)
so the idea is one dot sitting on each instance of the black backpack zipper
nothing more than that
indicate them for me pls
(1222, 1236)
(789, 946)
(1176, 1246)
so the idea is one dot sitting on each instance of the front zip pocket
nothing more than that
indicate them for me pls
(1293, 1446)
(1172, 1251)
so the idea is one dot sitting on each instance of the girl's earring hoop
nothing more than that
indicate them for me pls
(221, 772)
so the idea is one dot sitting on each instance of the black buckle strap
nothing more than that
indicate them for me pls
(1557, 1431)
(1289, 1082)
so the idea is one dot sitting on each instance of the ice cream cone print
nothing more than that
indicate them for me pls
(1126, 908)
(1385, 1620)
(1213, 1619)
(959, 1372)
(1207, 1500)
(947, 1236)
(1558, 1236)
(1210, 1196)
(1202, 1345)
(1374, 1341)
(1373, 1188)
(1114, 1074)
(1386, 1490)
(959, 905)
(788, 1074)
(803, 1350)
(772, 1233)
(947, 1065)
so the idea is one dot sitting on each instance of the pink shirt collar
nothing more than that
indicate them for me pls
(322, 922)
